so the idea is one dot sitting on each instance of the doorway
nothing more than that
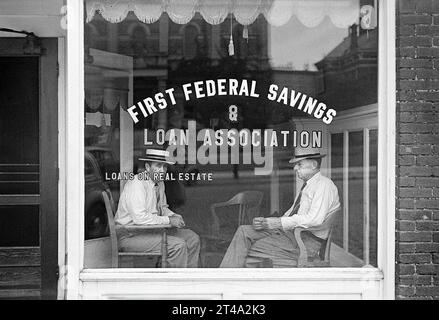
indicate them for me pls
(28, 170)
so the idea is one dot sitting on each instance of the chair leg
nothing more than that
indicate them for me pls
(158, 264)
(201, 258)
(164, 249)
(126, 262)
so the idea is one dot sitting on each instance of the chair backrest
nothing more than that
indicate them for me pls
(110, 208)
(329, 224)
(249, 204)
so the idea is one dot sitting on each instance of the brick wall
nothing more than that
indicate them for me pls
(417, 216)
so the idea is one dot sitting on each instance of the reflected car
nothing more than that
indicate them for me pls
(107, 164)
(96, 224)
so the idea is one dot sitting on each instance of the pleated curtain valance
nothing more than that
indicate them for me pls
(310, 13)
(108, 98)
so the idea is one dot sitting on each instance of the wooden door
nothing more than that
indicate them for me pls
(28, 170)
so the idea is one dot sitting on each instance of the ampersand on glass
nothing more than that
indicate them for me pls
(233, 113)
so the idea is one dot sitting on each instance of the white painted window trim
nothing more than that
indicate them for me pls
(77, 278)
(75, 182)
(387, 144)
(62, 99)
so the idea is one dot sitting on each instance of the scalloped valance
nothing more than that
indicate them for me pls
(310, 13)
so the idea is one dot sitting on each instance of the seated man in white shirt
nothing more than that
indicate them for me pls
(273, 238)
(143, 202)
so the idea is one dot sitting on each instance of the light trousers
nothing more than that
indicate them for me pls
(183, 246)
(250, 248)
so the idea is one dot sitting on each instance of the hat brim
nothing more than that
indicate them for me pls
(295, 160)
(156, 160)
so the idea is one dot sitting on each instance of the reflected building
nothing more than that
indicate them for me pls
(167, 55)
(349, 72)
(348, 77)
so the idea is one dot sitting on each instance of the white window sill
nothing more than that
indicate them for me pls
(235, 284)
(310, 274)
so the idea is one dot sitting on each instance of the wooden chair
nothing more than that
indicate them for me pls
(224, 226)
(325, 251)
(248, 203)
(115, 254)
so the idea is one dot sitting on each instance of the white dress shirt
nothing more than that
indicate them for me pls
(138, 203)
(319, 199)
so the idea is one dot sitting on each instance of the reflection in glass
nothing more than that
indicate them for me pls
(329, 58)
(337, 178)
(355, 187)
(373, 196)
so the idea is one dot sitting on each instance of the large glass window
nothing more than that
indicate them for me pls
(235, 104)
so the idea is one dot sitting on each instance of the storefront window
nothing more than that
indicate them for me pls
(227, 99)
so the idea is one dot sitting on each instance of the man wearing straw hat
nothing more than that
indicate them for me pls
(273, 238)
(143, 202)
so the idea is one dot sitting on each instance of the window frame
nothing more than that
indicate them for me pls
(79, 279)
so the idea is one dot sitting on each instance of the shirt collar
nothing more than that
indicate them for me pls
(154, 184)
(148, 182)
(314, 178)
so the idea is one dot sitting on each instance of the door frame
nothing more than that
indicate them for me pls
(48, 143)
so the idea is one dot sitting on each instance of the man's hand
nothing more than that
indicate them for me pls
(261, 223)
(176, 221)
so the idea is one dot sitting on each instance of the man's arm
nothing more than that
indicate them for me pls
(166, 211)
(141, 210)
(175, 219)
(261, 223)
(165, 207)
(320, 206)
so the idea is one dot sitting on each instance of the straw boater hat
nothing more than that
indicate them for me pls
(157, 155)
(301, 154)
